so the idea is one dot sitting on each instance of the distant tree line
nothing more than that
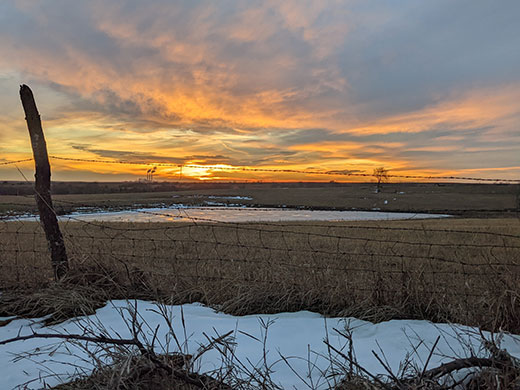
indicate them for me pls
(63, 188)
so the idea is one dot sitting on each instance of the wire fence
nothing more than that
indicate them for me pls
(469, 272)
(345, 173)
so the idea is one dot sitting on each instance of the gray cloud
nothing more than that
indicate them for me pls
(125, 155)
(394, 58)
(134, 157)
(421, 52)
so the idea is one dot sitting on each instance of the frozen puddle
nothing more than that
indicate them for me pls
(241, 214)
(296, 336)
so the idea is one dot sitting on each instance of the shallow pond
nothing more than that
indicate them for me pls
(240, 214)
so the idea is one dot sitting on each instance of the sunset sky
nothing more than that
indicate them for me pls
(417, 86)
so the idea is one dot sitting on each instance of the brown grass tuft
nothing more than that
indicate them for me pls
(135, 372)
(55, 302)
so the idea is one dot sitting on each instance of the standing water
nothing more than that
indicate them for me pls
(241, 214)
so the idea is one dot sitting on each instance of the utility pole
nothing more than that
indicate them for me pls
(152, 171)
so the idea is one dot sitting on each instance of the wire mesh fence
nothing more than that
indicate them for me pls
(410, 267)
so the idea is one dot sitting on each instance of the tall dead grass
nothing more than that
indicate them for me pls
(457, 270)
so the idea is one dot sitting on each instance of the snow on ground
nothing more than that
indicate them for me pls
(292, 335)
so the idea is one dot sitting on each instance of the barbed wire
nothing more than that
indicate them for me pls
(273, 170)
(307, 172)
(15, 162)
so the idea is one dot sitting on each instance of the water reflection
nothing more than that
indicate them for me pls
(241, 214)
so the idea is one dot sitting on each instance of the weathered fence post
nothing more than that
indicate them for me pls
(48, 218)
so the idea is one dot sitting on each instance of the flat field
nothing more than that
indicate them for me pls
(455, 269)
(472, 200)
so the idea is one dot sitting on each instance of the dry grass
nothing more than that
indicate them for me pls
(132, 372)
(500, 377)
(431, 269)
(54, 302)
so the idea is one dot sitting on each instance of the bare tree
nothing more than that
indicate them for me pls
(381, 175)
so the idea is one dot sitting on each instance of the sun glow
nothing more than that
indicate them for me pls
(195, 172)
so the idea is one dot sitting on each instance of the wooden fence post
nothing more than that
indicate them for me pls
(48, 218)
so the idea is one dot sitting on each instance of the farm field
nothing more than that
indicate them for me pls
(459, 199)
(461, 270)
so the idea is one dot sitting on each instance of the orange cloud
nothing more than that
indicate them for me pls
(243, 85)
(495, 107)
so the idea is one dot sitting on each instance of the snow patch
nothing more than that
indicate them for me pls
(291, 335)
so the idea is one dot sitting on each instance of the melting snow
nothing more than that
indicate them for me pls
(291, 335)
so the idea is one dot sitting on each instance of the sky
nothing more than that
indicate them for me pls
(418, 87)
